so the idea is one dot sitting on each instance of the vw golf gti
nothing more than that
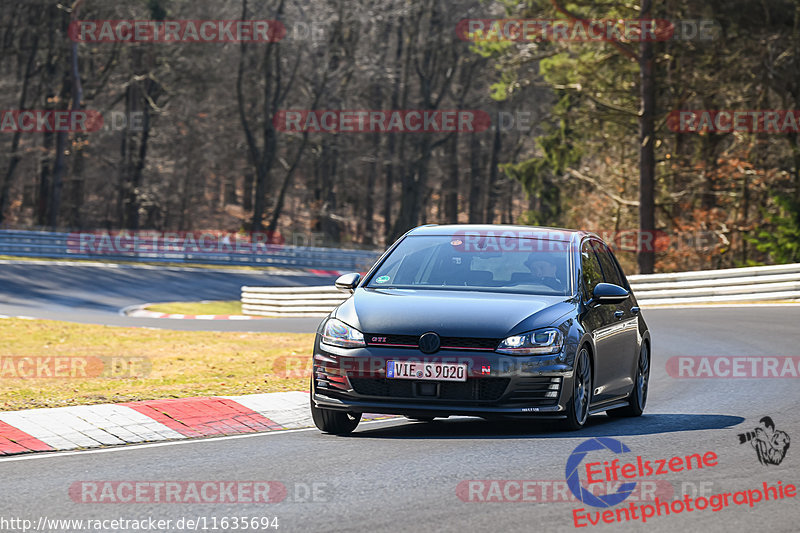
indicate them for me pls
(488, 321)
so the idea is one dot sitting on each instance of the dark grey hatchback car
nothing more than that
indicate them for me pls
(488, 321)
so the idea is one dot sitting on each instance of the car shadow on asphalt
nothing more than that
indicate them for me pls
(596, 426)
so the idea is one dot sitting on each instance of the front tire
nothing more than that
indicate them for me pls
(578, 408)
(638, 397)
(333, 422)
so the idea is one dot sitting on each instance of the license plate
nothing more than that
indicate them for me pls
(428, 371)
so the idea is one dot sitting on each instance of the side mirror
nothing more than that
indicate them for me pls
(348, 282)
(608, 293)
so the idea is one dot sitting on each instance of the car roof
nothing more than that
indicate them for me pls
(532, 232)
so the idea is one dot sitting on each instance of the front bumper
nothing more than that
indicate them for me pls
(497, 386)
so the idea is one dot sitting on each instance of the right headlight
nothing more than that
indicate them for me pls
(540, 342)
(337, 333)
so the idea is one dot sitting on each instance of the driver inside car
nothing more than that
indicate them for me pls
(543, 271)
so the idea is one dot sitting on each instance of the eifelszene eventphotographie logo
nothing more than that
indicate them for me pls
(573, 479)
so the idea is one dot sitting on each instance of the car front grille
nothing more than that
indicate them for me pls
(469, 343)
(447, 343)
(478, 389)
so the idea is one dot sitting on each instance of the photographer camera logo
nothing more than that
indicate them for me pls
(769, 443)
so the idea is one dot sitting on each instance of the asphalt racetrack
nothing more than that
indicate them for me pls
(397, 475)
(97, 294)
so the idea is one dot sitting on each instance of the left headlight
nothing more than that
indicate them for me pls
(337, 333)
(540, 342)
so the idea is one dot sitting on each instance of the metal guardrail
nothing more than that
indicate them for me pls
(770, 283)
(56, 245)
(291, 301)
(767, 283)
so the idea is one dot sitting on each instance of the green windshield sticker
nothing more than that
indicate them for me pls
(381, 279)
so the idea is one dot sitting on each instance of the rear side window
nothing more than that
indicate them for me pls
(611, 272)
(591, 272)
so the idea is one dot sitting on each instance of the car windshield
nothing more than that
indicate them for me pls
(486, 263)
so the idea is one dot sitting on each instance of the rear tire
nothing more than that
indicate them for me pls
(638, 396)
(578, 407)
(333, 422)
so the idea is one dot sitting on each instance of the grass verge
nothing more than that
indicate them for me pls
(232, 307)
(167, 363)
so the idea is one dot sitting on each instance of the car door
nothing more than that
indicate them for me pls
(623, 338)
(599, 321)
